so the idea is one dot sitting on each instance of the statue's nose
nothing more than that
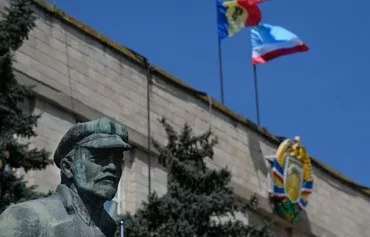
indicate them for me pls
(110, 165)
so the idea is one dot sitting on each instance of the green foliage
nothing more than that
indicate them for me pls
(17, 20)
(199, 201)
(288, 210)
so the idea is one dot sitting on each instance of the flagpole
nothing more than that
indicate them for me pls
(221, 70)
(122, 230)
(256, 93)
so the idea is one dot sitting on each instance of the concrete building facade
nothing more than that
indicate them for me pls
(80, 75)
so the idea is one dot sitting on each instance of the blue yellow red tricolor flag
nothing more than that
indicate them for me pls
(233, 15)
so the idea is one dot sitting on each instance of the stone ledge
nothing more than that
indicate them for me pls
(80, 110)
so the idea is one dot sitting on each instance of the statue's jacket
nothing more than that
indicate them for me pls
(62, 214)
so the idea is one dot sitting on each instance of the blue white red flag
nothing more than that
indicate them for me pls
(270, 42)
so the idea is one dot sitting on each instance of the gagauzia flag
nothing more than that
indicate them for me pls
(234, 15)
(270, 42)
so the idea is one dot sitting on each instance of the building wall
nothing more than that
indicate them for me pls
(53, 123)
(77, 74)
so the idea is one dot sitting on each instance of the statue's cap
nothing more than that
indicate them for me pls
(99, 133)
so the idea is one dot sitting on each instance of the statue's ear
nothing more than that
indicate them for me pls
(66, 167)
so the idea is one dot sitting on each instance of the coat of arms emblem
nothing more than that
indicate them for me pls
(292, 179)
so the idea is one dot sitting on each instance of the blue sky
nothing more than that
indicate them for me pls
(321, 95)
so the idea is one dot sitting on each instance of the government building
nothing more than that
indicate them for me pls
(81, 75)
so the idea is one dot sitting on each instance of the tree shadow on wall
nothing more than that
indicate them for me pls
(256, 154)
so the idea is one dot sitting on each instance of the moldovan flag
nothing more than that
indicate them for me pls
(269, 42)
(234, 15)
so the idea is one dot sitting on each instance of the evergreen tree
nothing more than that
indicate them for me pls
(199, 201)
(16, 21)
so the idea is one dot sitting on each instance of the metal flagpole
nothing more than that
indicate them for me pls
(256, 93)
(122, 230)
(219, 52)
(221, 70)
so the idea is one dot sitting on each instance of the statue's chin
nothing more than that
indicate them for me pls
(101, 192)
(105, 193)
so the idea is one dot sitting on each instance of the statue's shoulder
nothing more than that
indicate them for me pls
(36, 208)
(21, 218)
(29, 218)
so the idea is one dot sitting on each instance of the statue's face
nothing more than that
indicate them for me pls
(97, 172)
